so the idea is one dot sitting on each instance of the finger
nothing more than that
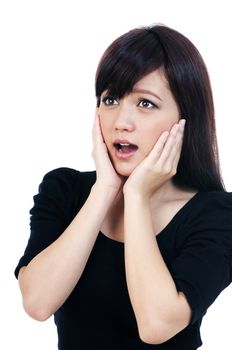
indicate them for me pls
(177, 157)
(181, 139)
(178, 142)
(95, 122)
(176, 161)
(174, 143)
(96, 132)
(94, 125)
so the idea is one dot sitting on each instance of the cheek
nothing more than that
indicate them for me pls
(153, 133)
(105, 128)
(151, 139)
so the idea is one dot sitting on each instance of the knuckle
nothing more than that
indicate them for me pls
(167, 170)
(173, 172)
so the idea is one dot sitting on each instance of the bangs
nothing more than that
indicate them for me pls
(126, 61)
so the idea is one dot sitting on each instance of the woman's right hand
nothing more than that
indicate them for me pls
(107, 177)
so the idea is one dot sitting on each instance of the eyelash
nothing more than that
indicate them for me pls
(152, 104)
(104, 100)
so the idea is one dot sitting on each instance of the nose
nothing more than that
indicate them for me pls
(125, 118)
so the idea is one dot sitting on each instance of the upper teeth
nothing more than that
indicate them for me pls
(124, 144)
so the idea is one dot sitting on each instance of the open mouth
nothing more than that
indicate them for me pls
(125, 147)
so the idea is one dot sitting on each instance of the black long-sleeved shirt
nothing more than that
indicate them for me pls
(196, 245)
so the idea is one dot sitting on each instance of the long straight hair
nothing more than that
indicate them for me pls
(143, 50)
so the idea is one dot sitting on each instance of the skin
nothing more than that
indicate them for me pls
(139, 117)
(148, 117)
(143, 184)
(133, 192)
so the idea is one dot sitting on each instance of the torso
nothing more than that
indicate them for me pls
(113, 225)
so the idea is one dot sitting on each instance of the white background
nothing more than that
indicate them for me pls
(49, 53)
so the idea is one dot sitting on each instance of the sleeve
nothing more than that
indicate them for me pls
(52, 212)
(203, 267)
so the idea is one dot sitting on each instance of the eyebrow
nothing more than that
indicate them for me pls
(144, 91)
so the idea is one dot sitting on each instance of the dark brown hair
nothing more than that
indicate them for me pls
(143, 50)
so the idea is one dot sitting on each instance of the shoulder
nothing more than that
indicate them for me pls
(67, 178)
(209, 215)
(213, 202)
(205, 207)
(216, 197)
(210, 202)
(69, 175)
(64, 188)
(202, 267)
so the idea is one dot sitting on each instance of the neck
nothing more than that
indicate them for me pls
(167, 191)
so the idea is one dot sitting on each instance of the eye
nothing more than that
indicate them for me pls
(146, 104)
(109, 101)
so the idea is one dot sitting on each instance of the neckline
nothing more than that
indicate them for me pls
(180, 212)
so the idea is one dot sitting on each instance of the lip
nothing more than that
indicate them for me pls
(124, 141)
(121, 155)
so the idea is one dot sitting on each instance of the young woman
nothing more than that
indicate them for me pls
(132, 255)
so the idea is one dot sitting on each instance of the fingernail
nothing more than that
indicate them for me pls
(182, 122)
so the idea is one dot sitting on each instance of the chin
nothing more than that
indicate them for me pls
(123, 173)
(124, 169)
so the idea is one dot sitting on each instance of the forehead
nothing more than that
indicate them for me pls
(156, 78)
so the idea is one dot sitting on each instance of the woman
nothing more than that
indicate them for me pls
(132, 255)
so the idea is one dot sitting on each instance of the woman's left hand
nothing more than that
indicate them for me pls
(159, 166)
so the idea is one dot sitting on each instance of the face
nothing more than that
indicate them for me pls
(132, 125)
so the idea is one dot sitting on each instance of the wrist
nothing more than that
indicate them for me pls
(104, 192)
(134, 196)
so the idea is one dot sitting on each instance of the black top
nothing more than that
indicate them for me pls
(196, 246)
